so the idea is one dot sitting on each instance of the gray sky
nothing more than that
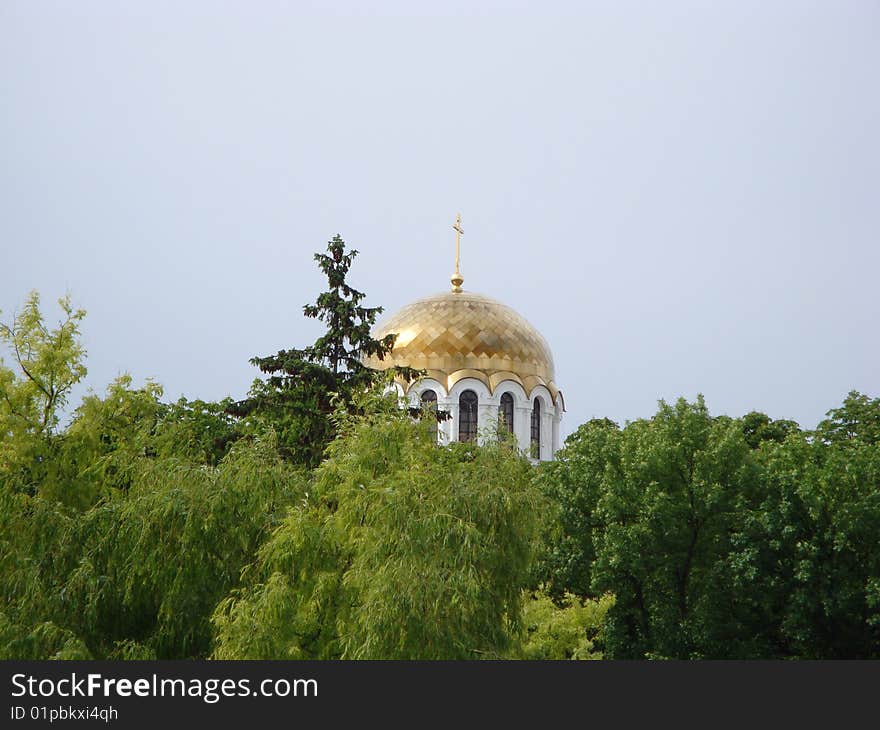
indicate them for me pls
(682, 197)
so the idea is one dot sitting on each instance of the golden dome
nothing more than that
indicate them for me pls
(454, 335)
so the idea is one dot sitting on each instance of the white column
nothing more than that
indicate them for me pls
(556, 444)
(449, 427)
(442, 405)
(546, 435)
(522, 424)
(487, 417)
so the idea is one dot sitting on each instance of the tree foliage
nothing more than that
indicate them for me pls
(808, 554)
(298, 398)
(121, 532)
(724, 537)
(567, 629)
(759, 427)
(144, 568)
(403, 550)
(47, 364)
(144, 529)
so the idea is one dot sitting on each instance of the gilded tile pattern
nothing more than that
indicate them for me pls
(449, 332)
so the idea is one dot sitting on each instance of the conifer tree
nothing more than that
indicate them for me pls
(297, 397)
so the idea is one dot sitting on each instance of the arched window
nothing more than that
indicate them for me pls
(467, 416)
(536, 429)
(429, 404)
(506, 412)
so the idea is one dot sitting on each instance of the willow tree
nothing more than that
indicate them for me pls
(403, 550)
(139, 574)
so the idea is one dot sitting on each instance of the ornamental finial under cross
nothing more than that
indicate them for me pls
(457, 279)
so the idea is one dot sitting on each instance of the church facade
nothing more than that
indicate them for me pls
(486, 366)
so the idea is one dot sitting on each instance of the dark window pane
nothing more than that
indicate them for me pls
(429, 402)
(467, 416)
(506, 411)
(536, 429)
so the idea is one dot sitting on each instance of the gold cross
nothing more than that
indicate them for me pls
(457, 279)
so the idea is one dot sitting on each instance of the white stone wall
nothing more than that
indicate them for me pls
(487, 411)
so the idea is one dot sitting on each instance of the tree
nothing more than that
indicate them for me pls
(138, 574)
(759, 427)
(668, 507)
(808, 549)
(104, 443)
(572, 630)
(857, 419)
(573, 484)
(49, 364)
(721, 537)
(200, 431)
(648, 514)
(299, 396)
(403, 550)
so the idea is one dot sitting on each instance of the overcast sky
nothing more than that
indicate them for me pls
(683, 197)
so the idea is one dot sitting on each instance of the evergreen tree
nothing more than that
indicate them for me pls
(297, 399)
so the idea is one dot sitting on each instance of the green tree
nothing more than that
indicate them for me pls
(648, 514)
(298, 397)
(138, 574)
(808, 551)
(33, 532)
(197, 430)
(668, 507)
(858, 419)
(110, 436)
(568, 629)
(403, 550)
(47, 364)
(759, 427)
(573, 484)
(107, 437)
(724, 537)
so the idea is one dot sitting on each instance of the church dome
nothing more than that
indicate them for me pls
(459, 334)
